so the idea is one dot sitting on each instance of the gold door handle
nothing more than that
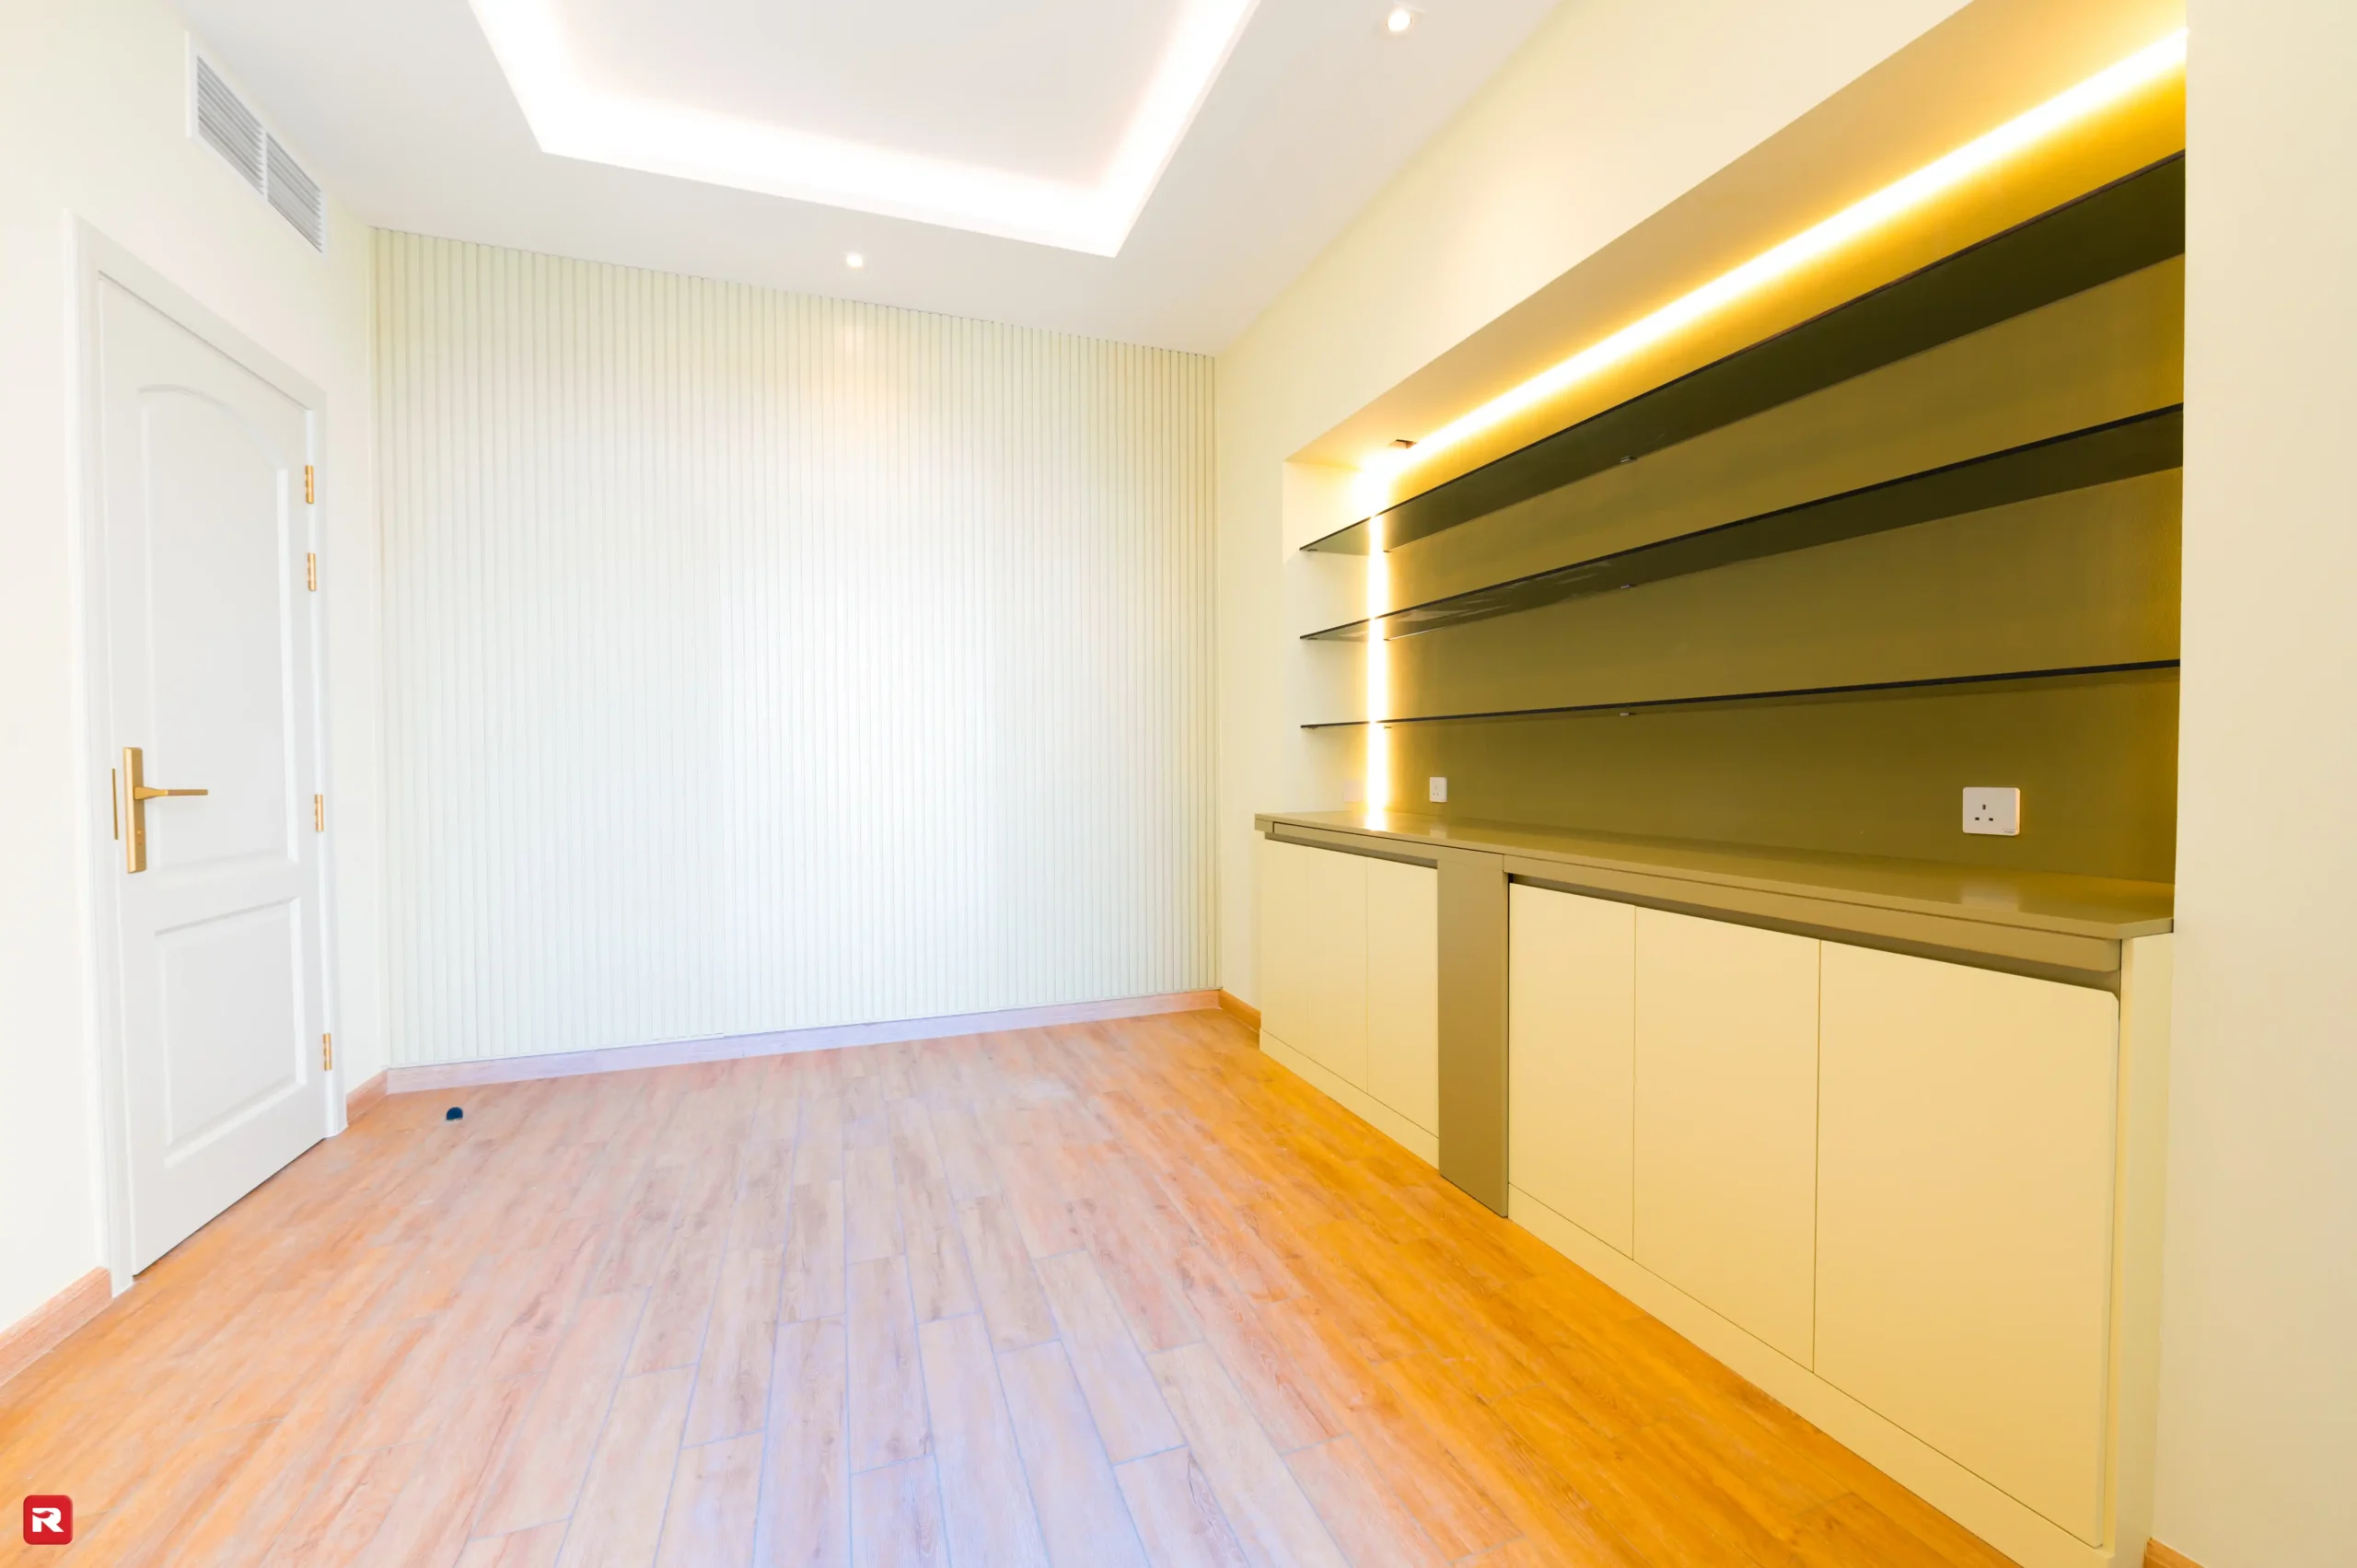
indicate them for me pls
(134, 844)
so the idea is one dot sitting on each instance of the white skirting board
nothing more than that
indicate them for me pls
(2026, 1536)
(728, 1047)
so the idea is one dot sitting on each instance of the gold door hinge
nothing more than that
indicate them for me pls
(311, 571)
(310, 486)
(319, 813)
(327, 1054)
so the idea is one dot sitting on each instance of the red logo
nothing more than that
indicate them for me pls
(49, 1521)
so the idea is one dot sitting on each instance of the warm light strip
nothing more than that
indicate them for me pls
(1377, 765)
(570, 117)
(1894, 200)
(2098, 92)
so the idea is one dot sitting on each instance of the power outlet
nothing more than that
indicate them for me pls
(1994, 812)
(1437, 790)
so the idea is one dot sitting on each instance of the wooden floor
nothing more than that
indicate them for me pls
(1095, 1296)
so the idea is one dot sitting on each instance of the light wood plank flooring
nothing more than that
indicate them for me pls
(1091, 1297)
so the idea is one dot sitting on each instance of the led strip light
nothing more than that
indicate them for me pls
(573, 117)
(1901, 197)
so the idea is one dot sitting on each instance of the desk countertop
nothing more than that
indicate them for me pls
(2087, 907)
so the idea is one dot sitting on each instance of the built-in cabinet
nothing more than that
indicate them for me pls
(1915, 1198)
(1350, 994)
(1895, 1171)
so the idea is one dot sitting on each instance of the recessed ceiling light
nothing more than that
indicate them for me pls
(1400, 19)
(574, 115)
(853, 260)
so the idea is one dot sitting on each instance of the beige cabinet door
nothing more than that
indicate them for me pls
(1726, 1119)
(1403, 990)
(1571, 1056)
(1964, 1216)
(1313, 953)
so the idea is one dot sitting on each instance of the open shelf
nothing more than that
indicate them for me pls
(1866, 688)
(2145, 442)
(2124, 227)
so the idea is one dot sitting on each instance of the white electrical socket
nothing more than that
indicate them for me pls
(1990, 810)
(1354, 791)
(1436, 789)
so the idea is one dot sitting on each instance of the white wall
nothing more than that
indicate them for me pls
(2259, 1412)
(758, 661)
(1613, 110)
(92, 104)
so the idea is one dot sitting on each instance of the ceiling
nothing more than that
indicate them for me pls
(1214, 147)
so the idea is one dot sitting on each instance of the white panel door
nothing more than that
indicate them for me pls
(1313, 955)
(1726, 1119)
(1964, 1216)
(1403, 990)
(210, 670)
(1570, 1053)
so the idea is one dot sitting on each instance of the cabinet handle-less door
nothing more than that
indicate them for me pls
(1726, 1120)
(1964, 1216)
(1313, 937)
(1570, 989)
(1403, 990)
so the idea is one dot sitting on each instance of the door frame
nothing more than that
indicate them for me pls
(95, 260)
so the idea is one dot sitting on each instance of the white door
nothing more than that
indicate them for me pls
(209, 673)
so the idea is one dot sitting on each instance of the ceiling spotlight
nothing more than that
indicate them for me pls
(853, 260)
(1400, 19)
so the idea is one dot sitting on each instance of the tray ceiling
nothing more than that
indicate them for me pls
(1156, 170)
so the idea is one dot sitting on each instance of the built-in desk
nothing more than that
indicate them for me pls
(2065, 927)
(1885, 1136)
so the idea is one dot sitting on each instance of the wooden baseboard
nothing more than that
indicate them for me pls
(1231, 1002)
(364, 1100)
(728, 1047)
(39, 1332)
(2159, 1556)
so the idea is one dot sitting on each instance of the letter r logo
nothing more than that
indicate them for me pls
(49, 1521)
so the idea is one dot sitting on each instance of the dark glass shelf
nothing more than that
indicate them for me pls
(1924, 684)
(2143, 444)
(2126, 226)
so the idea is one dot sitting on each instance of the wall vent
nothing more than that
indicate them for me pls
(297, 197)
(222, 120)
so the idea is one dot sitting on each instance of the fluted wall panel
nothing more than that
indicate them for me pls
(758, 661)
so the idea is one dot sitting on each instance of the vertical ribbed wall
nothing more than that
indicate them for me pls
(757, 661)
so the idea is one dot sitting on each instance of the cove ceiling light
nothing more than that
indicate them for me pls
(571, 118)
(1894, 200)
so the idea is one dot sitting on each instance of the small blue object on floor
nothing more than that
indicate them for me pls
(454, 1114)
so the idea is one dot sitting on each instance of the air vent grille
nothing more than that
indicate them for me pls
(225, 125)
(296, 196)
